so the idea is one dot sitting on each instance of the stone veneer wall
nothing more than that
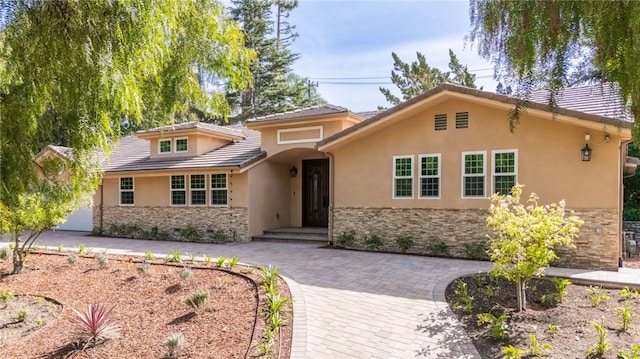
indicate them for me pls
(631, 226)
(597, 246)
(234, 221)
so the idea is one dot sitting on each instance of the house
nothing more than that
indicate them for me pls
(424, 169)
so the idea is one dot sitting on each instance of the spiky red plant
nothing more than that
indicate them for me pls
(95, 325)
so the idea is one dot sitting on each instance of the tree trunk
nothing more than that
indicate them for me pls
(521, 295)
(18, 255)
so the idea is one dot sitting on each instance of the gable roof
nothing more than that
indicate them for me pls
(579, 109)
(132, 154)
(62, 151)
(302, 113)
(225, 131)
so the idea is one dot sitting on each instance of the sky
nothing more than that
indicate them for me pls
(345, 45)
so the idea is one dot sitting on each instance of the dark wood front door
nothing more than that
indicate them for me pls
(315, 193)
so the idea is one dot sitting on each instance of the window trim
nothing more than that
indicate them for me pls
(171, 190)
(226, 189)
(464, 175)
(493, 167)
(175, 144)
(160, 146)
(132, 190)
(203, 189)
(438, 176)
(394, 177)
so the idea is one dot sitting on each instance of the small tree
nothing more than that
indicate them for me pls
(523, 237)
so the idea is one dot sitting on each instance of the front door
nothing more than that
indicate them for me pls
(315, 193)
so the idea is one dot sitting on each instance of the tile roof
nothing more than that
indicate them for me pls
(207, 127)
(601, 99)
(132, 154)
(369, 114)
(579, 109)
(319, 110)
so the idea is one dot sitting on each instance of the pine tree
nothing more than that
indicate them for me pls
(417, 77)
(275, 87)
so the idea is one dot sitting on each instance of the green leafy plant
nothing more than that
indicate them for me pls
(148, 255)
(198, 300)
(221, 261)
(82, 249)
(404, 243)
(596, 296)
(535, 348)
(628, 294)
(186, 274)
(174, 256)
(103, 260)
(275, 304)
(561, 285)
(523, 237)
(372, 242)
(207, 259)
(553, 329)
(59, 248)
(174, 344)
(21, 315)
(72, 259)
(269, 275)
(6, 295)
(511, 352)
(602, 346)
(437, 248)
(233, 261)
(142, 268)
(155, 233)
(475, 250)
(465, 301)
(218, 236)
(192, 257)
(38, 321)
(346, 239)
(4, 253)
(189, 234)
(497, 326)
(626, 315)
(94, 325)
(634, 354)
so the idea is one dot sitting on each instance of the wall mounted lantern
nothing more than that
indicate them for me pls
(586, 153)
(293, 171)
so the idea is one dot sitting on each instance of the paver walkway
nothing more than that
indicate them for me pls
(350, 304)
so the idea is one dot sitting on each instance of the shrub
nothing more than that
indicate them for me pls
(631, 214)
(497, 326)
(4, 253)
(269, 276)
(82, 249)
(437, 248)
(6, 295)
(21, 315)
(233, 261)
(174, 256)
(103, 260)
(174, 344)
(372, 242)
(94, 325)
(404, 243)
(218, 236)
(475, 250)
(198, 300)
(189, 234)
(72, 259)
(346, 239)
(155, 233)
(220, 261)
(186, 274)
(148, 255)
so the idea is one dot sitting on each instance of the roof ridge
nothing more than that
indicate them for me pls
(301, 109)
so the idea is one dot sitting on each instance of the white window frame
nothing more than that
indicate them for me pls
(171, 190)
(160, 146)
(175, 145)
(483, 174)
(226, 189)
(203, 189)
(493, 167)
(280, 141)
(393, 184)
(438, 176)
(132, 190)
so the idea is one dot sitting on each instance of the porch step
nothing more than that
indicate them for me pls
(294, 235)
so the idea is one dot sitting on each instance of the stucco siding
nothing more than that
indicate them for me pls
(597, 246)
(269, 186)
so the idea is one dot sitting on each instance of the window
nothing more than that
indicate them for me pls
(462, 119)
(178, 191)
(164, 146)
(505, 168)
(403, 177)
(473, 173)
(430, 176)
(198, 190)
(219, 189)
(126, 191)
(181, 145)
(440, 123)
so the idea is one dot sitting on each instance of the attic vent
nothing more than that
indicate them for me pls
(462, 119)
(440, 122)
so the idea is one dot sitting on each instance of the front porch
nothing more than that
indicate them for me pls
(317, 235)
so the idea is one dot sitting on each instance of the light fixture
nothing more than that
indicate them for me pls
(293, 171)
(587, 136)
(586, 153)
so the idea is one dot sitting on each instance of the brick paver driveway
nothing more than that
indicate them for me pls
(347, 304)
